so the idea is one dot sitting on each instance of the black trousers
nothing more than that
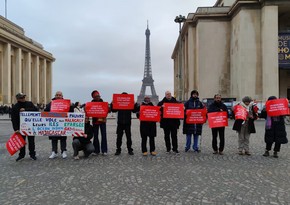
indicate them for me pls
(277, 146)
(31, 146)
(120, 131)
(88, 148)
(144, 143)
(62, 144)
(170, 132)
(221, 132)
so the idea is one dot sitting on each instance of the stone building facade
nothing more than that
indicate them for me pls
(24, 66)
(232, 48)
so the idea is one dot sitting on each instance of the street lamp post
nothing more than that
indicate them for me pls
(180, 19)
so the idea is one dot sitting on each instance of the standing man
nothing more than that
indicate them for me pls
(169, 125)
(124, 124)
(21, 106)
(54, 139)
(99, 123)
(218, 106)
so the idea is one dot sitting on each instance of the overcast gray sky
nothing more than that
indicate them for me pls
(101, 44)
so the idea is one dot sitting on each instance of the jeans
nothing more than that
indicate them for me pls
(188, 142)
(104, 145)
(62, 144)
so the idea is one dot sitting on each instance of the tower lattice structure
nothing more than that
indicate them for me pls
(147, 78)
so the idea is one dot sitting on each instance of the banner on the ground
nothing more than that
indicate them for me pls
(196, 116)
(97, 109)
(149, 113)
(123, 101)
(217, 119)
(52, 123)
(15, 143)
(240, 112)
(61, 105)
(277, 107)
(173, 110)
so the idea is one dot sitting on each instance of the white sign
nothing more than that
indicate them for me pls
(52, 123)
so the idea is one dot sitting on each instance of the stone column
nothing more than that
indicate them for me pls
(270, 66)
(6, 77)
(18, 72)
(27, 76)
(35, 80)
(48, 81)
(42, 81)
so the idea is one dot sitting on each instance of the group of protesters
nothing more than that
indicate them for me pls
(275, 132)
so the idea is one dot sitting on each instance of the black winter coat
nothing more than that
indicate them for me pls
(277, 132)
(217, 107)
(192, 103)
(89, 132)
(147, 128)
(47, 109)
(168, 122)
(125, 116)
(15, 117)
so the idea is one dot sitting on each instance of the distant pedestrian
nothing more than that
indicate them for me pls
(218, 106)
(23, 106)
(77, 107)
(124, 118)
(246, 127)
(84, 143)
(192, 129)
(147, 130)
(275, 132)
(169, 125)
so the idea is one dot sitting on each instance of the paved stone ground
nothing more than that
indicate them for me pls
(188, 178)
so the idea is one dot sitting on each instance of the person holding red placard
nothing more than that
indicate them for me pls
(246, 127)
(124, 118)
(192, 129)
(99, 123)
(169, 125)
(147, 129)
(54, 139)
(21, 106)
(218, 106)
(275, 132)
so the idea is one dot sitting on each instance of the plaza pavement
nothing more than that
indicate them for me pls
(188, 178)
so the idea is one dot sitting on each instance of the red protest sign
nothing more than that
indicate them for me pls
(217, 119)
(15, 143)
(241, 113)
(61, 105)
(97, 109)
(123, 101)
(149, 113)
(173, 110)
(196, 116)
(277, 107)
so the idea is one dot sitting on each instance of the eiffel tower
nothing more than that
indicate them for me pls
(147, 79)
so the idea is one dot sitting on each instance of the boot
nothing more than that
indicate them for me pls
(266, 154)
(275, 154)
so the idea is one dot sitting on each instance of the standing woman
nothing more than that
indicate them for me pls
(245, 128)
(275, 132)
(192, 129)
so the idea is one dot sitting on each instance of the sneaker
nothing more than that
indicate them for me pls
(33, 158)
(176, 152)
(153, 153)
(19, 158)
(221, 153)
(168, 152)
(131, 153)
(197, 150)
(215, 152)
(275, 155)
(76, 157)
(186, 150)
(117, 153)
(105, 154)
(248, 153)
(53, 155)
(266, 154)
(145, 153)
(64, 155)
(94, 154)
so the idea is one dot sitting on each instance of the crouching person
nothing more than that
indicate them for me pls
(84, 143)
